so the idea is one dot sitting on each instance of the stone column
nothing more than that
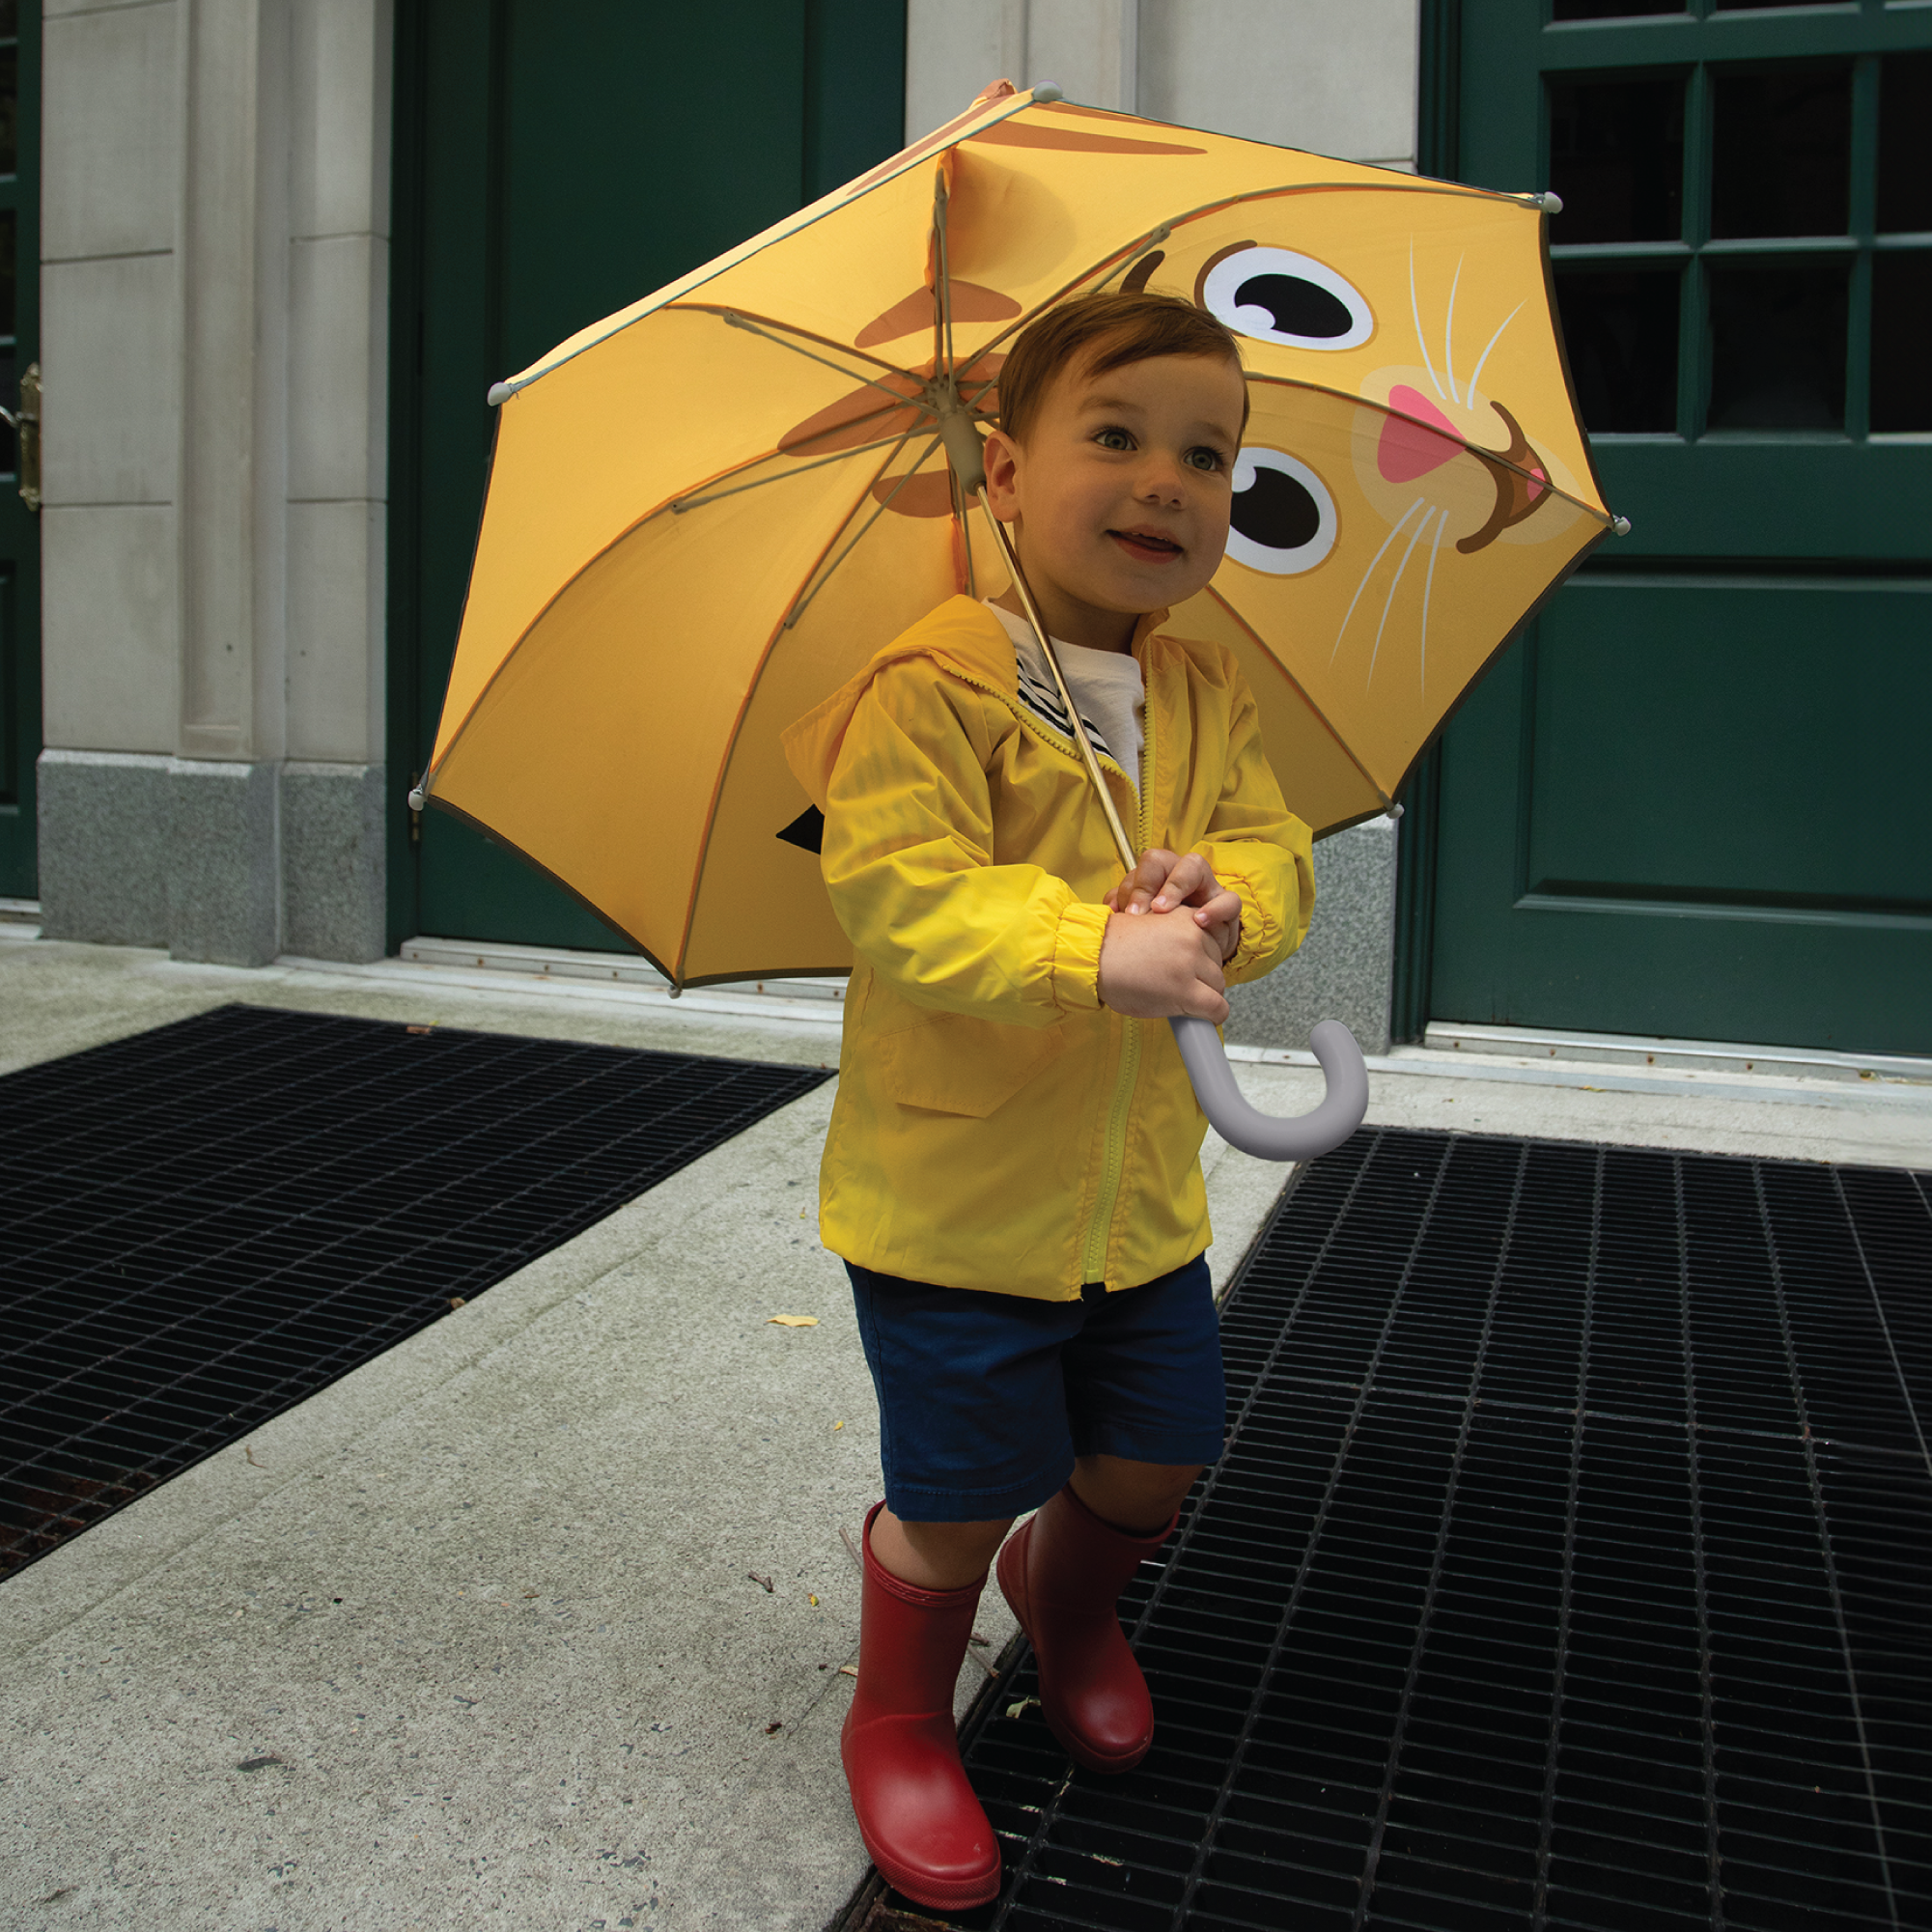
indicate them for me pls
(338, 413)
(1089, 47)
(217, 191)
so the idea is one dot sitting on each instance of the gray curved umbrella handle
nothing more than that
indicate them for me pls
(1305, 1136)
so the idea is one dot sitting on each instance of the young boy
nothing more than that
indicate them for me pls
(1012, 1173)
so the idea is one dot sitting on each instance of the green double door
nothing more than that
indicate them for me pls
(555, 159)
(1692, 799)
(19, 466)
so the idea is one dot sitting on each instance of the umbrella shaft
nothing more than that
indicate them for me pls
(1122, 843)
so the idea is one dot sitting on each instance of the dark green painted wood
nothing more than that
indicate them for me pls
(1683, 804)
(1437, 114)
(1637, 839)
(555, 161)
(20, 526)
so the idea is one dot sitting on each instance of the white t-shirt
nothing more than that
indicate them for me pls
(1105, 684)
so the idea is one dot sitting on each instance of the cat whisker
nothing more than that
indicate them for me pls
(1493, 341)
(1395, 584)
(1415, 310)
(1373, 562)
(1449, 332)
(1428, 590)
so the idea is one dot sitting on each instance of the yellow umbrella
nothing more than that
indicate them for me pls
(707, 511)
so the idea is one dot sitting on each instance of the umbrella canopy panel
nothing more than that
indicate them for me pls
(707, 511)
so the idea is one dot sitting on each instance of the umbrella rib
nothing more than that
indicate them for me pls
(1374, 564)
(680, 504)
(1415, 310)
(804, 604)
(1428, 590)
(1484, 356)
(1395, 584)
(1466, 443)
(1301, 691)
(942, 344)
(732, 320)
(1410, 185)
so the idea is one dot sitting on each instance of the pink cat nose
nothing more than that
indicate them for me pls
(1407, 450)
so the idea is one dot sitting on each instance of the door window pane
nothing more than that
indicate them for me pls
(1614, 10)
(1905, 144)
(1620, 329)
(1778, 346)
(10, 109)
(1901, 341)
(1616, 157)
(1781, 150)
(10, 387)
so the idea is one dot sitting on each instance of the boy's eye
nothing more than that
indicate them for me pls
(1203, 458)
(1113, 439)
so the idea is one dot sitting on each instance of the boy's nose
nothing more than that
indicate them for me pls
(1161, 481)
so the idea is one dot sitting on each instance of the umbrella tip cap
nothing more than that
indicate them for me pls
(417, 798)
(500, 393)
(1621, 525)
(1550, 202)
(1049, 91)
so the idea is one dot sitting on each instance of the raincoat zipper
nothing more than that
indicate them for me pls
(1093, 1258)
(1113, 1158)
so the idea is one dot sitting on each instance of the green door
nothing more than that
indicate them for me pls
(20, 524)
(555, 159)
(1689, 801)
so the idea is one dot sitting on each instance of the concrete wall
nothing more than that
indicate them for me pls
(1337, 76)
(215, 193)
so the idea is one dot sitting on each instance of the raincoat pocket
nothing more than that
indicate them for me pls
(952, 1063)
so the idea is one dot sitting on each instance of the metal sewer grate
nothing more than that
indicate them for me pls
(204, 1223)
(1568, 1567)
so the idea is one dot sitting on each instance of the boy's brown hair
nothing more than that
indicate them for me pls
(1106, 331)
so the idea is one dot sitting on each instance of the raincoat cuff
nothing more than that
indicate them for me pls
(1260, 932)
(1077, 957)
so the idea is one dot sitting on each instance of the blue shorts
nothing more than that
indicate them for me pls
(985, 1400)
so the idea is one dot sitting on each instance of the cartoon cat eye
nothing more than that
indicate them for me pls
(1274, 294)
(1284, 520)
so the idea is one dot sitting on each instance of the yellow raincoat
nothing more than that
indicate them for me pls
(996, 1126)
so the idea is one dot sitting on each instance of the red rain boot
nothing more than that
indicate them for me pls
(1061, 1574)
(916, 1812)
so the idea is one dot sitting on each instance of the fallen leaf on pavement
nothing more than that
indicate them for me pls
(757, 1578)
(792, 1321)
(1020, 1709)
(779, 1725)
(848, 1670)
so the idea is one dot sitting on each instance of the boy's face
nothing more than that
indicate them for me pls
(1121, 492)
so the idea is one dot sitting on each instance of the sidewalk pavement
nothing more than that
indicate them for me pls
(480, 1635)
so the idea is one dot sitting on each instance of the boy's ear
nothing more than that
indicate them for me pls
(1002, 475)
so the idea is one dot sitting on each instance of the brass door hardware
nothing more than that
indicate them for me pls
(26, 423)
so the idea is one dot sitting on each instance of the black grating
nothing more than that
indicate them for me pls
(204, 1223)
(1568, 1567)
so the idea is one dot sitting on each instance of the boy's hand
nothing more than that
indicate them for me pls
(1161, 882)
(1154, 966)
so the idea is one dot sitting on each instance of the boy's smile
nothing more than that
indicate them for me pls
(1120, 496)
